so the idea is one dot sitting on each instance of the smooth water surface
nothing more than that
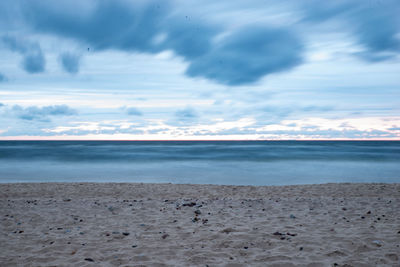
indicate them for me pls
(205, 162)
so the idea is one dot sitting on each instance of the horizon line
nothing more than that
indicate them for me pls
(197, 140)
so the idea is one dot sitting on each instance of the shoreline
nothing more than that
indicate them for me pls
(146, 224)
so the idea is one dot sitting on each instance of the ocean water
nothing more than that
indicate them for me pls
(201, 162)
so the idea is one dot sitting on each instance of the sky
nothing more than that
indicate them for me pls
(199, 70)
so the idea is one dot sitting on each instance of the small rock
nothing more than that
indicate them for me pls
(292, 216)
(89, 259)
(227, 230)
(245, 247)
(197, 212)
(165, 236)
(300, 248)
(126, 233)
(134, 246)
(377, 243)
(277, 233)
(191, 204)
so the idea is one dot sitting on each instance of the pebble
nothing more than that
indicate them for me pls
(197, 212)
(165, 236)
(191, 204)
(89, 259)
(377, 242)
(126, 233)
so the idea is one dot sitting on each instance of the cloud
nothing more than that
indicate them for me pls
(249, 54)
(244, 57)
(374, 24)
(231, 56)
(40, 113)
(186, 113)
(70, 62)
(33, 58)
(133, 111)
(3, 78)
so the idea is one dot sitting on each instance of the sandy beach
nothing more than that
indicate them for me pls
(111, 224)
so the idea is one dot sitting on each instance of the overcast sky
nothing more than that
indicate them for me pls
(199, 69)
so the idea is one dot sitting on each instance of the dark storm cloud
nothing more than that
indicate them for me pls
(249, 54)
(109, 25)
(40, 113)
(70, 62)
(243, 57)
(33, 58)
(374, 24)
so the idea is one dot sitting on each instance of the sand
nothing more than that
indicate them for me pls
(53, 224)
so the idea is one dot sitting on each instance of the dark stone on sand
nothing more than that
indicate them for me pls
(245, 247)
(89, 259)
(197, 212)
(277, 233)
(191, 204)
(300, 248)
(369, 212)
(164, 236)
(134, 246)
(126, 233)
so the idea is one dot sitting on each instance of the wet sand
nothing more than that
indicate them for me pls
(111, 224)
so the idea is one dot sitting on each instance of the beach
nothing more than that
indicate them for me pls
(139, 224)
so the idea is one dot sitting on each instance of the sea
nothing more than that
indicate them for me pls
(201, 162)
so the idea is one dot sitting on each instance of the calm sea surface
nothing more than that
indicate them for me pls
(205, 162)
